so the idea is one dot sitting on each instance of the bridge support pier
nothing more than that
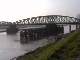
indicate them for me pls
(77, 26)
(69, 27)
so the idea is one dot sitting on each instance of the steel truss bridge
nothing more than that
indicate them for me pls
(57, 19)
(34, 33)
(43, 20)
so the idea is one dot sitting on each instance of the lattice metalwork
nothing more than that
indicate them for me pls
(50, 19)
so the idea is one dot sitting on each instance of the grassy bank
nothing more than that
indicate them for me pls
(51, 51)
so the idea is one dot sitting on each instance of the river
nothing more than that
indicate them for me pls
(11, 47)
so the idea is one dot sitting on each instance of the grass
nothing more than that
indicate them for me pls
(45, 53)
(70, 51)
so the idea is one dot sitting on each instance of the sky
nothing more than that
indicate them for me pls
(13, 10)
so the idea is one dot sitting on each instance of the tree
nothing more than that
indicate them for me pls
(78, 16)
(52, 29)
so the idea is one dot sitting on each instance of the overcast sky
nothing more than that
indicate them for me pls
(12, 10)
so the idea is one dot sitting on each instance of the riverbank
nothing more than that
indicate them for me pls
(50, 50)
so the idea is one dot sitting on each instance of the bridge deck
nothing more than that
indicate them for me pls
(30, 28)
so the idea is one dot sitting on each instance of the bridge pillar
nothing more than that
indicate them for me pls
(22, 37)
(69, 27)
(77, 26)
(33, 38)
(62, 29)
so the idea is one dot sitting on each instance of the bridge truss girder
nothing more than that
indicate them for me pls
(58, 19)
